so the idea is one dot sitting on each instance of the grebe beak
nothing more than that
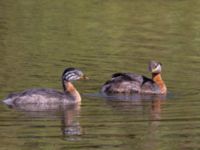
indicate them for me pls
(84, 77)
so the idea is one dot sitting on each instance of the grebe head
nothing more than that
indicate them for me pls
(155, 67)
(72, 74)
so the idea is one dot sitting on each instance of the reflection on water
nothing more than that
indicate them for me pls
(139, 101)
(156, 109)
(152, 106)
(70, 126)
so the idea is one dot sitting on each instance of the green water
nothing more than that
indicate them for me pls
(38, 39)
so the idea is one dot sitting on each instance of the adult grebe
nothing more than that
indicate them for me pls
(50, 96)
(133, 83)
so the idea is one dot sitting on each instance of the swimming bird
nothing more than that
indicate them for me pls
(43, 96)
(134, 83)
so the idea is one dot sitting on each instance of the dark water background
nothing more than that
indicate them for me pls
(38, 39)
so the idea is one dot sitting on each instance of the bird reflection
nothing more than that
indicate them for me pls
(148, 106)
(137, 101)
(156, 109)
(67, 114)
(70, 123)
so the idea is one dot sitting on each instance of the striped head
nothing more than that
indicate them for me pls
(72, 74)
(155, 67)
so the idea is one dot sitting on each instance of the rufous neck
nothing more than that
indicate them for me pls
(156, 77)
(71, 90)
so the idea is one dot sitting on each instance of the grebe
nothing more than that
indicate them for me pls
(133, 83)
(42, 96)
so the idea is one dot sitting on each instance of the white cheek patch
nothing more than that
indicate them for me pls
(69, 75)
(73, 77)
(158, 68)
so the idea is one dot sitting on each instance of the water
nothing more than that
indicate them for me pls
(38, 39)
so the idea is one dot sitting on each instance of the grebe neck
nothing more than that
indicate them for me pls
(156, 77)
(71, 90)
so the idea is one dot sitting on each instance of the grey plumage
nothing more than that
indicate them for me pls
(38, 96)
(45, 97)
(134, 83)
(129, 83)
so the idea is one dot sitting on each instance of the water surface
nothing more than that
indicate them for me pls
(38, 39)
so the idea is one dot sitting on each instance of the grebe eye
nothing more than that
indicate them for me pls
(157, 65)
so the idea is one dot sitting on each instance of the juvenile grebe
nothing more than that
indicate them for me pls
(50, 96)
(133, 83)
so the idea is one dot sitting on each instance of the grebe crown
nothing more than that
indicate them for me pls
(155, 67)
(72, 74)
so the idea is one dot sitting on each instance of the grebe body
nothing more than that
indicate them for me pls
(134, 83)
(49, 96)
